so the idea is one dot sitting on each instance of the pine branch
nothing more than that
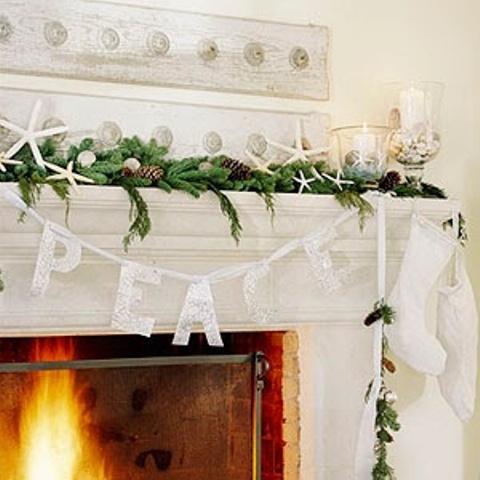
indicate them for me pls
(269, 203)
(229, 210)
(62, 191)
(139, 215)
(350, 199)
(29, 192)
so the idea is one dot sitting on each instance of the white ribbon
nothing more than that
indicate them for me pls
(198, 307)
(365, 452)
(129, 297)
(46, 261)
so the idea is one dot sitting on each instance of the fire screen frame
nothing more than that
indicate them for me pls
(258, 361)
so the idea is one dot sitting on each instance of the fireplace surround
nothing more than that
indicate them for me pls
(191, 236)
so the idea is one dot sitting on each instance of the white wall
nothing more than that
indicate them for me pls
(373, 41)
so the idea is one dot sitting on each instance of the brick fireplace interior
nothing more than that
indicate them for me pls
(221, 446)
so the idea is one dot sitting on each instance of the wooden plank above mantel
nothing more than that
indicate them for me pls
(121, 43)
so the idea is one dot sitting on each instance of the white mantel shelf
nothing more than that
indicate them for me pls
(192, 236)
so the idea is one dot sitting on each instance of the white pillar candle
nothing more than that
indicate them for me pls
(412, 108)
(364, 143)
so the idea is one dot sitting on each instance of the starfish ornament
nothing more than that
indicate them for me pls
(317, 174)
(30, 135)
(337, 179)
(298, 152)
(67, 174)
(304, 182)
(6, 161)
(260, 164)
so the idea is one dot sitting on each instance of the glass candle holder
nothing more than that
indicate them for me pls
(413, 110)
(363, 150)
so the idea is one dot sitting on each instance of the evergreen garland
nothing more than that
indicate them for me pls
(193, 175)
(386, 421)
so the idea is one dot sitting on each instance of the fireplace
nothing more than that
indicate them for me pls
(145, 409)
(324, 396)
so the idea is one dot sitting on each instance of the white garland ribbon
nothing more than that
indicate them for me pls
(199, 294)
(198, 307)
(365, 452)
(46, 260)
(129, 297)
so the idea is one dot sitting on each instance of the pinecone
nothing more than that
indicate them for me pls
(373, 317)
(389, 365)
(238, 170)
(389, 181)
(127, 172)
(151, 172)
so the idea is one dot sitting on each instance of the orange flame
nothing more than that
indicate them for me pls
(51, 441)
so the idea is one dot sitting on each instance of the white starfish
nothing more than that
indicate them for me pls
(6, 161)
(297, 152)
(260, 164)
(304, 182)
(316, 174)
(337, 180)
(67, 174)
(29, 135)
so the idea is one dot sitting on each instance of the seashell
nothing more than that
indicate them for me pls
(131, 164)
(204, 166)
(254, 54)
(256, 144)
(6, 29)
(395, 146)
(299, 58)
(207, 49)
(52, 123)
(212, 142)
(158, 43)
(394, 118)
(86, 158)
(109, 134)
(163, 136)
(110, 39)
(352, 158)
(55, 34)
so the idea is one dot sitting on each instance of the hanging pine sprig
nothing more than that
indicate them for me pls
(386, 421)
(229, 210)
(351, 199)
(140, 220)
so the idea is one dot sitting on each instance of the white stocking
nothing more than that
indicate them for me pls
(457, 331)
(427, 253)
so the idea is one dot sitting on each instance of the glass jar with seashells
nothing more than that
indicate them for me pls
(413, 112)
(363, 150)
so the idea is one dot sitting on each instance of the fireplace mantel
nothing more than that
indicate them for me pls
(192, 236)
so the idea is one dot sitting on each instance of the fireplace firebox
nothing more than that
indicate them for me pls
(185, 414)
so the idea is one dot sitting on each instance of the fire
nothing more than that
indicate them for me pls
(51, 440)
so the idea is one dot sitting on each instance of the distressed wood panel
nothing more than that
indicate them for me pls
(193, 130)
(140, 45)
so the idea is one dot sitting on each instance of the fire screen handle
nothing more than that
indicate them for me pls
(262, 368)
